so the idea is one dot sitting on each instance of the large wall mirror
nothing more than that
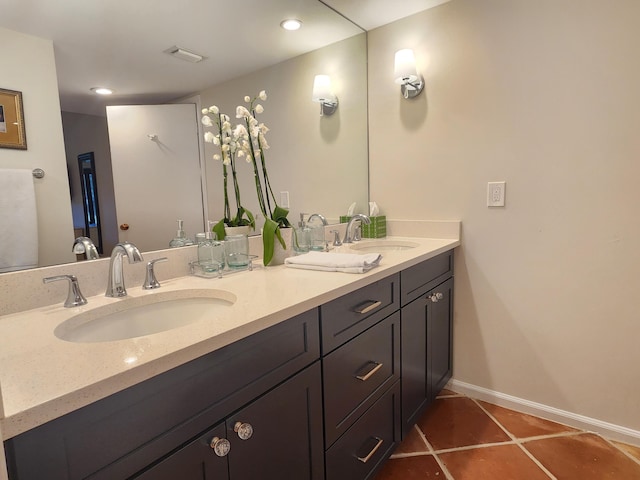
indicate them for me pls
(320, 162)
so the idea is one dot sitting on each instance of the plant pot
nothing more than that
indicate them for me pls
(242, 230)
(279, 253)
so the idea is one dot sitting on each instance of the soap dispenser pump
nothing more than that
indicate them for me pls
(181, 239)
(302, 239)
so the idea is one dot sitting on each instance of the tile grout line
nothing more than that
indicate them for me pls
(536, 461)
(416, 454)
(517, 442)
(621, 450)
(440, 463)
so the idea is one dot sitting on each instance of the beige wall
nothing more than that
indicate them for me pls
(28, 66)
(320, 161)
(543, 95)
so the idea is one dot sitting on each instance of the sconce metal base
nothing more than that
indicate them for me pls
(412, 89)
(328, 108)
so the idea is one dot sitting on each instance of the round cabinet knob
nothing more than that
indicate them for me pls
(220, 446)
(244, 430)
(436, 296)
(124, 226)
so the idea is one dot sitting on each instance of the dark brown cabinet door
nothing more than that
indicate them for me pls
(284, 430)
(439, 334)
(426, 330)
(196, 461)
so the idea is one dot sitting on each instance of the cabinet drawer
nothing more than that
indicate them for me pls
(119, 435)
(357, 373)
(347, 316)
(360, 452)
(421, 278)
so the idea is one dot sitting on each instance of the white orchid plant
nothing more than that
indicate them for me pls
(253, 143)
(229, 141)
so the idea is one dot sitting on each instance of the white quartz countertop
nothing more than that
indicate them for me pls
(43, 377)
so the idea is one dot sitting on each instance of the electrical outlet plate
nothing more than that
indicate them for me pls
(495, 194)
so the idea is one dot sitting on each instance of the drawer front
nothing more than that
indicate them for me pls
(362, 450)
(167, 410)
(421, 278)
(350, 315)
(357, 373)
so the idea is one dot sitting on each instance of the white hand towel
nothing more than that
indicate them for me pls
(18, 220)
(335, 262)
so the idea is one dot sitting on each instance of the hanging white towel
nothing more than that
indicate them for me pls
(335, 262)
(18, 220)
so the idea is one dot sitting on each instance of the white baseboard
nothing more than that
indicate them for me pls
(607, 430)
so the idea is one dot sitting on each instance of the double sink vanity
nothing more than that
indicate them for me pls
(271, 373)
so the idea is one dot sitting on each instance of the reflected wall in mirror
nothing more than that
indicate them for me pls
(320, 161)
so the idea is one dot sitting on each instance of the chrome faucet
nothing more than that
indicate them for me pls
(115, 287)
(85, 245)
(348, 238)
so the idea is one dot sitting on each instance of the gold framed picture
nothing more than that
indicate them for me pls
(12, 134)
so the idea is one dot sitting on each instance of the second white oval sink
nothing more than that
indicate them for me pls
(140, 316)
(383, 246)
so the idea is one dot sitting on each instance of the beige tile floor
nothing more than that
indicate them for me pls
(460, 438)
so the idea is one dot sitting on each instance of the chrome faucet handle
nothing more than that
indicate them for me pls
(150, 281)
(336, 238)
(74, 296)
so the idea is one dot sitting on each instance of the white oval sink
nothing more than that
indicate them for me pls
(140, 316)
(383, 246)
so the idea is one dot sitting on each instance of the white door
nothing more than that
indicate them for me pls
(156, 172)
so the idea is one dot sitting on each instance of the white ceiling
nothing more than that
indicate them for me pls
(120, 43)
(370, 14)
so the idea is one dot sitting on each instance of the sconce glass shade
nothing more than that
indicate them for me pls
(405, 67)
(406, 75)
(322, 89)
(323, 94)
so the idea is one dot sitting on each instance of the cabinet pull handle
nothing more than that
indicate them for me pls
(435, 297)
(368, 375)
(368, 306)
(220, 446)
(244, 430)
(378, 444)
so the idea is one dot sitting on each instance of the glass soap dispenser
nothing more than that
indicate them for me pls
(181, 239)
(210, 251)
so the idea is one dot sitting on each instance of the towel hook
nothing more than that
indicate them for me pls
(38, 173)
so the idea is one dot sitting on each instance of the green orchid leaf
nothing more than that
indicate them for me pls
(280, 239)
(252, 220)
(218, 229)
(268, 235)
(280, 215)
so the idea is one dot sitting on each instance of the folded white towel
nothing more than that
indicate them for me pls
(335, 262)
(18, 220)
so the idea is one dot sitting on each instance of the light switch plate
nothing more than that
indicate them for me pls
(495, 194)
(284, 199)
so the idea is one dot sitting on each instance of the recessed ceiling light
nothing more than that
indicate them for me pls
(102, 90)
(291, 24)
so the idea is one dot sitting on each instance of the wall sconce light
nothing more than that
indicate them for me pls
(406, 75)
(323, 94)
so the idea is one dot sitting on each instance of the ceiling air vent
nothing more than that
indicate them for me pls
(184, 54)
